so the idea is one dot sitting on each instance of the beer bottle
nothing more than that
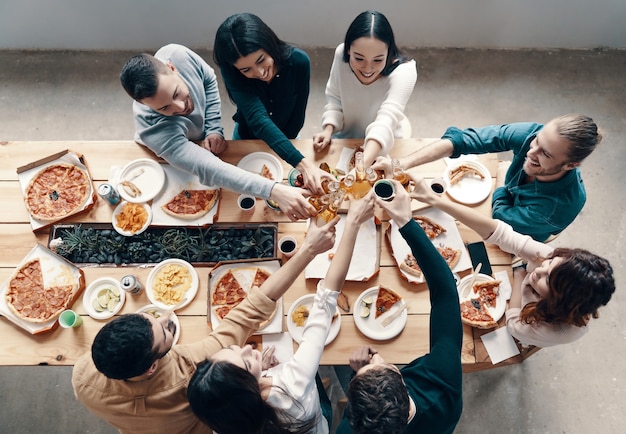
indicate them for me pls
(400, 175)
(361, 184)
(329, 213)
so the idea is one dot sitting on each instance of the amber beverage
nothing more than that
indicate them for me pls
(346, 183)
(400, 175)
(361, 185)
(329, 213)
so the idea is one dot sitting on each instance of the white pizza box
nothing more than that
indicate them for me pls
(26, 173)
(176, 180)
(56, 270)
(244, 273)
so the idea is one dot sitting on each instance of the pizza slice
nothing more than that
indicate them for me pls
(451, 255)
(432, 229)
(191, 204)
(227, 290)
(475, 313)
(385, 300)
(410, 266)
(222, 311)
(266, 172)
(462, 171)
(488, 292)
(259, 277)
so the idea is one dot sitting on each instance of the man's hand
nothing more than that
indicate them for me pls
(320, 236)
(215, 143)
(312, 176)
(269, 359)
(361, 210)
(399, 208)
(383, 163)
(323, 139)
(292, 201)
(361, 357)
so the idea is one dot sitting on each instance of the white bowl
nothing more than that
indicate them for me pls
(118, 210)
(91, 293)
(188, 296)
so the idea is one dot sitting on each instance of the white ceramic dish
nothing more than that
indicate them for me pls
(296, 332)
(254, 163)
(152, 309)
(372, 327)
(118, 210)
(147, 175)
(91, 293)
(495, 312)
(188, 296)
(471, 189)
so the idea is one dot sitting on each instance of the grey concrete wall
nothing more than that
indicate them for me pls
(149, 24)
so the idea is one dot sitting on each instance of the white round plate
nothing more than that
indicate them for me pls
(91, 293)
(469, 190)
(254, 163)
(372, 327)
(189, 295)
(118, 210)
(147, 175)
(152, 309)
(296, 332)
(495, 312)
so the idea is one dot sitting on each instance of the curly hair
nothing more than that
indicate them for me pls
(216, 386)
(373, 24)
(378, 402)
(140, 76)
(582, 134)
(123, 349)
(578, 287)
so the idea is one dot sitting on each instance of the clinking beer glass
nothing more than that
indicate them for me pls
(330, 211)
(400, 175)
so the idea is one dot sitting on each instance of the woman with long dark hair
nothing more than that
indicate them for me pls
(369, 86)
(268, 80)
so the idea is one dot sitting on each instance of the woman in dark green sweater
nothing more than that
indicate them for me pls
(268, 80)
(426, 395)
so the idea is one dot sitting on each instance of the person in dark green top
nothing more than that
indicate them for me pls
(268, 80)
(426, 395)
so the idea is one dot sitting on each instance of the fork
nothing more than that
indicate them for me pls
(395, 315)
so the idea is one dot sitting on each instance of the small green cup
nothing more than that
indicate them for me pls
(69, 319)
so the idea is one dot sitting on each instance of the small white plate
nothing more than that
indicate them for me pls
(147, 175)
(371, 326)
(118, 210)
(152, 309)
(189, 294)
(495, 312)
(469, 190)
(296, 332)
(254, 163)
(91, 293)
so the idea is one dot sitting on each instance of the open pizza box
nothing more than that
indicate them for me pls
(56, 271)
(244, 272)
(27, 172)
(451, 238)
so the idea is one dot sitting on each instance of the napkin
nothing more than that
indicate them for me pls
(344, 159)
(499, 345)
(505, 286)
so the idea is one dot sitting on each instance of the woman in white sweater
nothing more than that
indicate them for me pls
(369, 86)
(558, 291)
(231, 393)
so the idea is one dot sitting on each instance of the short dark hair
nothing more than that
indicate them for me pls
(582, 134)
(228, 399)
(578, 287)
(378, 402)
(245, 33)
(123, 348)
(140, 76)
(375, 25)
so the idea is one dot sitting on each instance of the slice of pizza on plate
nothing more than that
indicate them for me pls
(475, 313)
(488, 291)
(432, 228)
(385, 300)
(191, 204)
(464, 170)
(266, 172)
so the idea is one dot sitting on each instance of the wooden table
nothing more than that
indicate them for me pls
(65, 346)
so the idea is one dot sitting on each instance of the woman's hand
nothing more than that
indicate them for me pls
(361, 210)
(323, 139)
(292, 201)
(399, 208)
(422, 191)
(312, 176)
(215, 143)
(383, 163)
(320, 236)
(269, 359)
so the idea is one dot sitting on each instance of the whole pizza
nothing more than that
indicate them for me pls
(57, 191)
(191, 204)
(31, 300)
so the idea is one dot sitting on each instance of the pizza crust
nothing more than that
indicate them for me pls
(430, 227)
(191, 204)
(475, 313)
(385, 300)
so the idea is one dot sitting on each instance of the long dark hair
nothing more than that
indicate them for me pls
(374, 24)
(578, 287)
(228, 399)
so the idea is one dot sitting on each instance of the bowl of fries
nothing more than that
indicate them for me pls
(131, 218)
(172, 284)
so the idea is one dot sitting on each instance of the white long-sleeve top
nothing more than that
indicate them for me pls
(296, 377)
(373, 111)
(541, 334)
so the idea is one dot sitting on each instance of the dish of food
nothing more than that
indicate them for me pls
(482, 309)
(469, 182)
(103, 298)
(302, 306)
(131, 218)
(263, 164)
(158, 312)
(141, 180)
(172, 282)
(370, 325)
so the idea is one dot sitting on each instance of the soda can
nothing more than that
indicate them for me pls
(131, 284)
(107, 192)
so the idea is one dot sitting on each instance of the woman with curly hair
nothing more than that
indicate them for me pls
(559, 290)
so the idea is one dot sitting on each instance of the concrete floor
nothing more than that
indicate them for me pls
(576, 388)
